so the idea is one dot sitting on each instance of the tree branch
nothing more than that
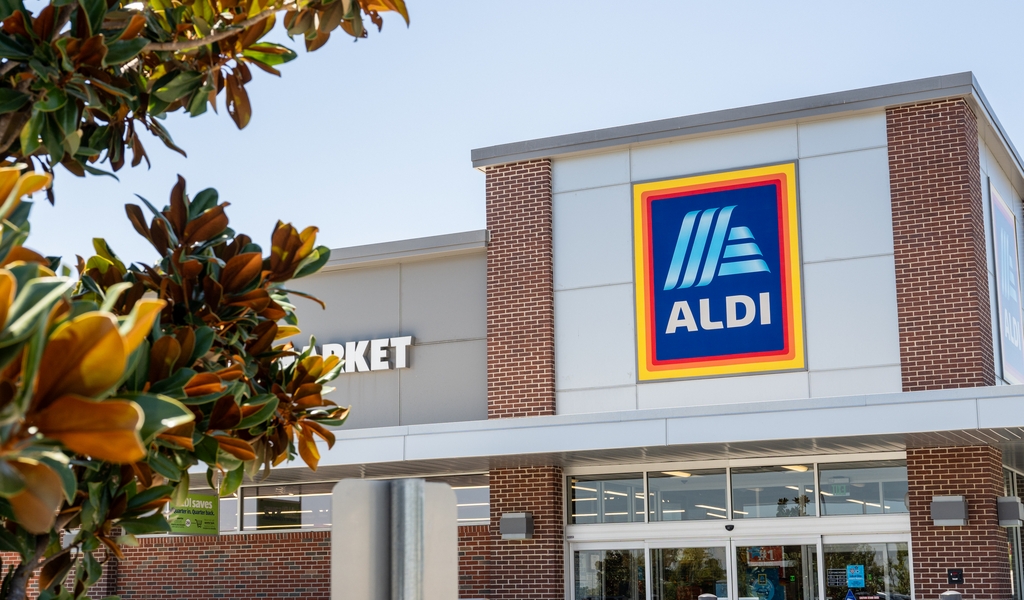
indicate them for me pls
(220, 35)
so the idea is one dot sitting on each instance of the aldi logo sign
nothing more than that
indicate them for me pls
(718, 274)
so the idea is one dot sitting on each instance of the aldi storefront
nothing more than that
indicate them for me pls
(766, 353)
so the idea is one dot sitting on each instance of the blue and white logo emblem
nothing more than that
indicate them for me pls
(741, 246)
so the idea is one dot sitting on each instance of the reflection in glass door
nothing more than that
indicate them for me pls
(609, 575)
(782, 572)
(686, 573)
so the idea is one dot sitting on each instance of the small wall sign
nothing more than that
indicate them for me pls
(955, 576)
(199, 514)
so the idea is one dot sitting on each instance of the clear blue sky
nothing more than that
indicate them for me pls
(370, 141)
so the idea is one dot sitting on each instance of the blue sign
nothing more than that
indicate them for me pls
(718, 274)
(854, 576)
(1004, 232)
(850, 596)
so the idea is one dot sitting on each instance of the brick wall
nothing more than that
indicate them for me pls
(532, 568)
(939, 239)
(284, 565)
(980, 547)
(520, 292)
(475, 561)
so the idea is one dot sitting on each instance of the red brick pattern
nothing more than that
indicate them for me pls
(939, 238)
(980, 547)
(532, 568)
(520, 291)
(475, 561)
(255, 565)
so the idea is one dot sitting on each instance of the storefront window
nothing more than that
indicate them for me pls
(867, 571)
(609, 575)
(606, 498)
(782, 491)
(867, 488)
(270, 508)
(229, 513)
(687, 495)
(472, 495)
(777, 572)
(686, 573)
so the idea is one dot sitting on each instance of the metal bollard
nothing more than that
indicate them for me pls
(950, 595)
(407, 499)
(707, 597)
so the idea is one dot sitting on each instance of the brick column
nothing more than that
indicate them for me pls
(520, 291)
(521, 375)
(528, 569)
(938, 224)
(980, 547)
(475, 561)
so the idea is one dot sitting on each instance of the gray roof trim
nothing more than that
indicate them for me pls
(434, 246)
(931, 88)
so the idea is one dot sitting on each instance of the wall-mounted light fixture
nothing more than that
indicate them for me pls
(1011, 511)
(949, 511)
(516, 526)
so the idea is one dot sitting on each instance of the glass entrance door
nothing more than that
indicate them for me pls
(768, 568)
(776, 570)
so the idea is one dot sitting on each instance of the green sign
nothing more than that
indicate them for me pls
(199, 514)
(840, 490)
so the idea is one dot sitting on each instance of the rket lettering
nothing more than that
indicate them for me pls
(371, 355)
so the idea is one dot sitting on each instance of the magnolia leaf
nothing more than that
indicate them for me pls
(151, 524)
(12, 50)
(121, 52)
(161, 413)
(240, 271)
(232, 481)
(66, 474)
(35, 508)
(270, 54)
(181, 490)
(147, 500)
(314, 262)
(106, 430)
(84, 356)
(307, 448)
(56, 569)
(11, 99)
(164, 466)
(240, 449)
(258, 410)
(181, 86)
(140, 321)
(113, 293)
(94, 11)
(7, 295)
(30, 132)
(11, 481)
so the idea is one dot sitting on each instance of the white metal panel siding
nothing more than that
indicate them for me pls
(847, 247)
(441, 302)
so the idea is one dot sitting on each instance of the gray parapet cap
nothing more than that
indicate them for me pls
(435, 246)
(876, 97)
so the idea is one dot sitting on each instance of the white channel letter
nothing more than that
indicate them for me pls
(401, 346)
(749, 311)
(674, 322)
(333, 350)
(705, 315)
(766, 308)
(379, 355)
(355, 353)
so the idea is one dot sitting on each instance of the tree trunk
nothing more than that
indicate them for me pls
(22, 574)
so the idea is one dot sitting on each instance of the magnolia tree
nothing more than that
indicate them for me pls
(114, 384)
(80, 79)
